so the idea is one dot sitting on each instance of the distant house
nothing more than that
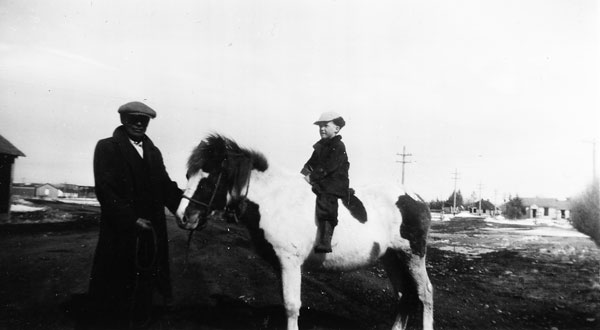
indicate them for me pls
(68, 190)
(8, 154)
(23, 190)
(76, 191)
(51, 191)
(48, 191)
(482, 207)
(547, 208)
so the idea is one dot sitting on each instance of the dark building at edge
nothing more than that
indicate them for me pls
(8, 154)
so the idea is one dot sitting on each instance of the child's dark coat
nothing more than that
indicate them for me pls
(328, 167)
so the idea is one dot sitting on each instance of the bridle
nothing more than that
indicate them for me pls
(208, 211)
(212, 198)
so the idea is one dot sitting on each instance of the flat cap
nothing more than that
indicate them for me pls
(137, 108)
(330, 116)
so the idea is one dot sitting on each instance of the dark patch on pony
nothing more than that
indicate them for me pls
(416, 219)
(251, 219)
(375, 251)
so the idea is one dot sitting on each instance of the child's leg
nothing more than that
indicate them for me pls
(327, 213)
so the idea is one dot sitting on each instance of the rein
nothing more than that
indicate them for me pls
(195, 201)
(212, 198)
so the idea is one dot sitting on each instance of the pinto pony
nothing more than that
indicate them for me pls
(278, 209)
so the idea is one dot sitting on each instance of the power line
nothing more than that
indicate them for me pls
(403, 161)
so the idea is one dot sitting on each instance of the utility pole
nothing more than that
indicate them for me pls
(480, 187)
(403, 161)
(495, 202)
(455, 180)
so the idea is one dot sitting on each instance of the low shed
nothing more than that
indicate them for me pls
(8, 154)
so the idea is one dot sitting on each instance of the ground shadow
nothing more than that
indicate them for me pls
(223, 313)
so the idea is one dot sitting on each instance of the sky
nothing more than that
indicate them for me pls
(503, 92)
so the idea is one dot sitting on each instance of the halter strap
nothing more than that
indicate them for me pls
(194, 201)
(212, 198)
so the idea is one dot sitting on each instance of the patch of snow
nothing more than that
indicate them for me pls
(473, 251)
(21, 201)
(467, 214)
(532, 222)
(82, 201)
(539, 227)
(558, 232)
(25, 208)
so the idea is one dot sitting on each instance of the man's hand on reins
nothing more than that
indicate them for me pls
(143, 224)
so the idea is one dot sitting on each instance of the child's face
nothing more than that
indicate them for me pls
(328, 130)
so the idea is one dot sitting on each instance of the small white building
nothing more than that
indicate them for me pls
(48, 191)
(547, 208)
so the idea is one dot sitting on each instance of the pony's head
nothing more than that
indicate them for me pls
(218, 178)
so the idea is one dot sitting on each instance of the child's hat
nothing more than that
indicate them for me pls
(331, 116)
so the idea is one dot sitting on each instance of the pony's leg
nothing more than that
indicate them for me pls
(418, 270)
(291, 277)
(399, 275)
(409, 278)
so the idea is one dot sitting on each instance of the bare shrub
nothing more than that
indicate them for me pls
(514, 209)
(585, 212)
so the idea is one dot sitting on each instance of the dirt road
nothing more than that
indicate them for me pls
(485, 276)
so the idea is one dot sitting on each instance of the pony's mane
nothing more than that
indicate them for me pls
(216, 147)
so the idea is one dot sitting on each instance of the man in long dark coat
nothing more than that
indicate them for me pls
(133, 188)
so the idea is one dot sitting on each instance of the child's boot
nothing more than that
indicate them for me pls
(325, 235)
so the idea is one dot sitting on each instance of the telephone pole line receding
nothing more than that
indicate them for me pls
(403, 161)
(455, 177)
(480, 188)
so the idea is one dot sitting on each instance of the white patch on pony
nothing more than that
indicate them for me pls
(189, 191)
(287, 207)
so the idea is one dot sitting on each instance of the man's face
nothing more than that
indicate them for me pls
(328, 130)
(135, 126)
